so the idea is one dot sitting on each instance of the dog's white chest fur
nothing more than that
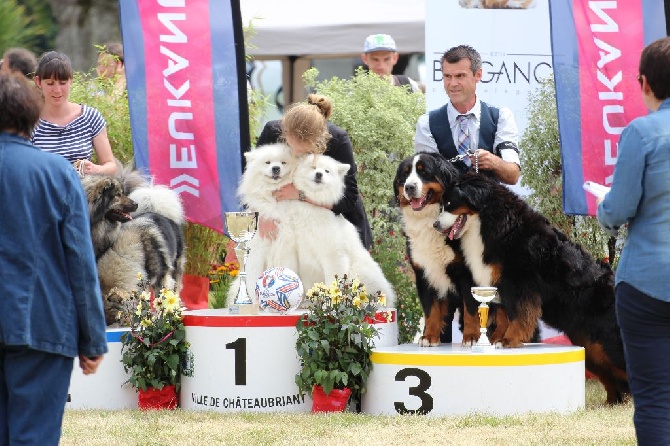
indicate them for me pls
(473, 252)
(428, 247)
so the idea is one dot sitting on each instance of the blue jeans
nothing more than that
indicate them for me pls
(33, 393)
(645, 330)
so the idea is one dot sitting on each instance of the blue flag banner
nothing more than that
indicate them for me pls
(596, 47)
(185, 71)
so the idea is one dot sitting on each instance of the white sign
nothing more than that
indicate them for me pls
(515, 45)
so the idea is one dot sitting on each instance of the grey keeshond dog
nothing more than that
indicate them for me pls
(137, 230)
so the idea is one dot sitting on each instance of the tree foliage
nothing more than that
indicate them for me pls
(18, 27)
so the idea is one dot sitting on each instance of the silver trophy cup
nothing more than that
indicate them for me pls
(241, 228)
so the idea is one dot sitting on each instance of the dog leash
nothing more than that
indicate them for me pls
(462, 156)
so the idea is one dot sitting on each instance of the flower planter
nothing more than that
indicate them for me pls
(335, 401)
(165, 398)
(195, 292)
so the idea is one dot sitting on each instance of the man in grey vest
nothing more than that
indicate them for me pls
(484, 136)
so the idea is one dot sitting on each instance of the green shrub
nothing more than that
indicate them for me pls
(113, 104)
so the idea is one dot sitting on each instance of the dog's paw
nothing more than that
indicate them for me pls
(116, 308)
(427, 341)
(511, 343)
(469, 340)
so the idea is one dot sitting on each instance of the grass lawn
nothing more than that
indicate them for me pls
(597, 424)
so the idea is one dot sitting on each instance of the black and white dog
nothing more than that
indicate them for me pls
(443, 280)
(136, 229)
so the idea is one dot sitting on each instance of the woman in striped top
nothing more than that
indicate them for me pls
(69, 129)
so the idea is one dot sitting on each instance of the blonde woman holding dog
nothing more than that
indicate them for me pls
(305, 128)
(68, 129)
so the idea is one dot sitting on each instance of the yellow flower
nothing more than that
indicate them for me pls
(171, 301)
(145, 295)
(138, 310)
(356, 301)
(139, 276)
(336, 299)
(382, 300)
(389, 316)
(146, 323)
(233, 273)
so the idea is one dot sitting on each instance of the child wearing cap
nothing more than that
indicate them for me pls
(380, 55)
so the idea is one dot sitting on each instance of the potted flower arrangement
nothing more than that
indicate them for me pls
(335, 340)
(221, 276)
(155, 352)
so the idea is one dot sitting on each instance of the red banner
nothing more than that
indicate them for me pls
(596, 47)
(187, 97)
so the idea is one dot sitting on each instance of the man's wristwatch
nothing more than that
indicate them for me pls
(301, 196)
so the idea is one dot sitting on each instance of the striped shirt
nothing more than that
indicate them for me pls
(75, 140)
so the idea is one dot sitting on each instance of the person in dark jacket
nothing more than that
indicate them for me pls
(50, 302)
(337, 147)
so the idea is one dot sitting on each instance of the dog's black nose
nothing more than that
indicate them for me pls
(318, 176)
(276, 170)
(437, 225)
(410, 189)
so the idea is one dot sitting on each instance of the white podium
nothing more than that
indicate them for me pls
(249, 363)
(104, 389)
(452, 380)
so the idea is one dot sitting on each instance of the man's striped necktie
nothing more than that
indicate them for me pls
(464, 137)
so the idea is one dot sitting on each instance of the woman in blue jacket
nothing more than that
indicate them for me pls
(50, 303)
(640, 197)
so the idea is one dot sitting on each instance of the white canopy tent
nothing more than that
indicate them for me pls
(331, 27)
(297, 31)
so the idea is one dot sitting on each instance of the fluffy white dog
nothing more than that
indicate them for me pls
(328, 244)
(268, 168)
(311, 240)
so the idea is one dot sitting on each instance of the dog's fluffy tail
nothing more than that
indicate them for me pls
(160, 200)
(130, 178)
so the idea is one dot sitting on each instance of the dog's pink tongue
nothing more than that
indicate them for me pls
(455, 229)
(452, 232)
(416, 203)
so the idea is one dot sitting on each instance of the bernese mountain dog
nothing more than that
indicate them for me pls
(443, 281)
(538, 271)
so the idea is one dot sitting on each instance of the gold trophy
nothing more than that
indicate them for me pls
(241, 228)
(483, 295)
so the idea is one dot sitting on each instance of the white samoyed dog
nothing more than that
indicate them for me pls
(311, 240)
(268, 168)
(328, 244)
